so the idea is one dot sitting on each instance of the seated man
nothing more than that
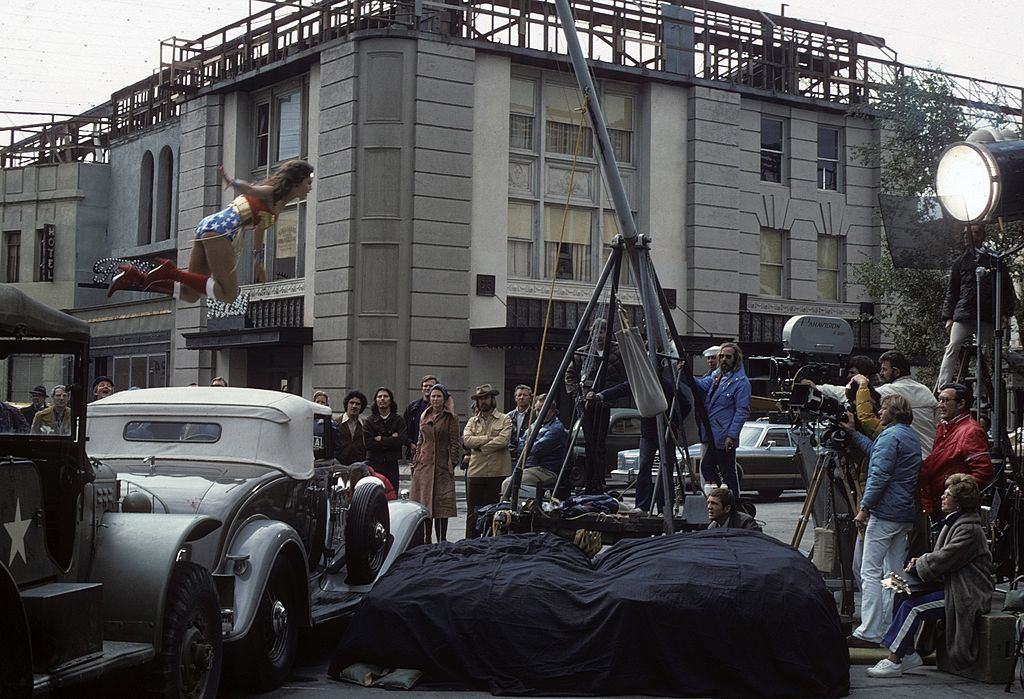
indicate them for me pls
(724, 514)
(546, 454)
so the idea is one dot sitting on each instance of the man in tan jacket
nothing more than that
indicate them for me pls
(486, 441)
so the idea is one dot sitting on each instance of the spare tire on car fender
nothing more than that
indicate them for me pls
(367, 532)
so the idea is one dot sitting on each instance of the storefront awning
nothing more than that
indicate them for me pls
(248, 337)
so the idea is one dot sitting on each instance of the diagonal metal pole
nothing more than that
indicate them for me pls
(656, 329)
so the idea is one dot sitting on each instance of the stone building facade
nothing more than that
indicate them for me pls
(445, 166)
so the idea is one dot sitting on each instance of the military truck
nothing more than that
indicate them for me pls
(84, 588)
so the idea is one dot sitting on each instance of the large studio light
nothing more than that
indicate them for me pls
(982, 178)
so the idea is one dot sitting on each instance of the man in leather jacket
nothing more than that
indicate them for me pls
(960, 309)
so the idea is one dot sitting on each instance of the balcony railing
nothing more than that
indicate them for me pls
(55, 138)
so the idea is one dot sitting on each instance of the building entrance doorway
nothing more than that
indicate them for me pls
(275, 369)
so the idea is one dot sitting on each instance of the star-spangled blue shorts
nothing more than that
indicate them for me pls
(226, 223)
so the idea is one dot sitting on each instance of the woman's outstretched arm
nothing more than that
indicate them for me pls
(263, 191)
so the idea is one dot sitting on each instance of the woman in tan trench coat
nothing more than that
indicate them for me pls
(433, 468)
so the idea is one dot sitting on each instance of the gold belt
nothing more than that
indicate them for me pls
(241, 204)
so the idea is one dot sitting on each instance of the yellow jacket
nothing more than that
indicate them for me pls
(486, 441)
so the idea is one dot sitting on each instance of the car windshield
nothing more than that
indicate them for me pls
(161, 431)
(749, 435)
(37, 395)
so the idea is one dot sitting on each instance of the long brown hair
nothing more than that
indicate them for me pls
(288, 177)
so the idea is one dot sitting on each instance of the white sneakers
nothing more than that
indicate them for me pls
(887, 668)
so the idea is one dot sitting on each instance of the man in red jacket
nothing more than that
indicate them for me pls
(961, 446)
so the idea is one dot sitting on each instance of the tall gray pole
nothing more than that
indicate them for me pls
(658, 336)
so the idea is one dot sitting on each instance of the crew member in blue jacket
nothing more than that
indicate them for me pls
(888, 509)
(544, 460)
(727, 403)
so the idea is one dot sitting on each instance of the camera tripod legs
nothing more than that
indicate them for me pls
(809, 500)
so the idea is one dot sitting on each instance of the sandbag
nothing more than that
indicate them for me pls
(644, 383)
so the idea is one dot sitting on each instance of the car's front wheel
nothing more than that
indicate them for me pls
(263, 659)
(189, 663)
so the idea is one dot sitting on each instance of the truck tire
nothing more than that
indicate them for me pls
(191, 652)
(367, 533)
(263, 659)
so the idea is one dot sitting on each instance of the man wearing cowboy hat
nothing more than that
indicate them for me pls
(486, 440)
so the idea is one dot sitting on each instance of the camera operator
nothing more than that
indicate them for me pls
(894, 371)
(887, 513)
(859, 365)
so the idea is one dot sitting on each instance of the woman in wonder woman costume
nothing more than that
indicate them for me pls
(213, 260)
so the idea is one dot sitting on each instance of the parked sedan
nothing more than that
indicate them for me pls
(766, 457)
(297, 542)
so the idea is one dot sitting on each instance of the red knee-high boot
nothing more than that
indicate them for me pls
(168, 273)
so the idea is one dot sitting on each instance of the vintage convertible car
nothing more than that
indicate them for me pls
(766, 456)
(292, 550)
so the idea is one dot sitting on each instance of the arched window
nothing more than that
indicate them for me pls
(146, 200)
(164, 194)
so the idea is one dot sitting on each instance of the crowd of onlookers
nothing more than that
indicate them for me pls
(427, 435)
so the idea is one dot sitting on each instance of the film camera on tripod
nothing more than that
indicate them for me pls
(817, 349)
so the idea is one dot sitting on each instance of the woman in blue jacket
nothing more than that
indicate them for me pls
(888, 509)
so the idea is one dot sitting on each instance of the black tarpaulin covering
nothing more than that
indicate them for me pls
(712, 613)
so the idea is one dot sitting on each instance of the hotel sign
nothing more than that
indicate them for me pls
(47, 247)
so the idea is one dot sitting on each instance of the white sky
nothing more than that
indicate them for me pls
(69, 55)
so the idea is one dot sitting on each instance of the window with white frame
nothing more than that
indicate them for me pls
(618, 112)
(773, 139)
(279, 125)
(522, 110)
(773, 262)
(828, 158)
(567, 242)
(541, 160)
(563, 121)
(829, 260)
(520, 238)
(279, 134)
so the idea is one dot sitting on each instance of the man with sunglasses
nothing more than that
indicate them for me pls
(961, 446)
(727, 403)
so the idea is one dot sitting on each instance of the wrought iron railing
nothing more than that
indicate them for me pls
(277, 313)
